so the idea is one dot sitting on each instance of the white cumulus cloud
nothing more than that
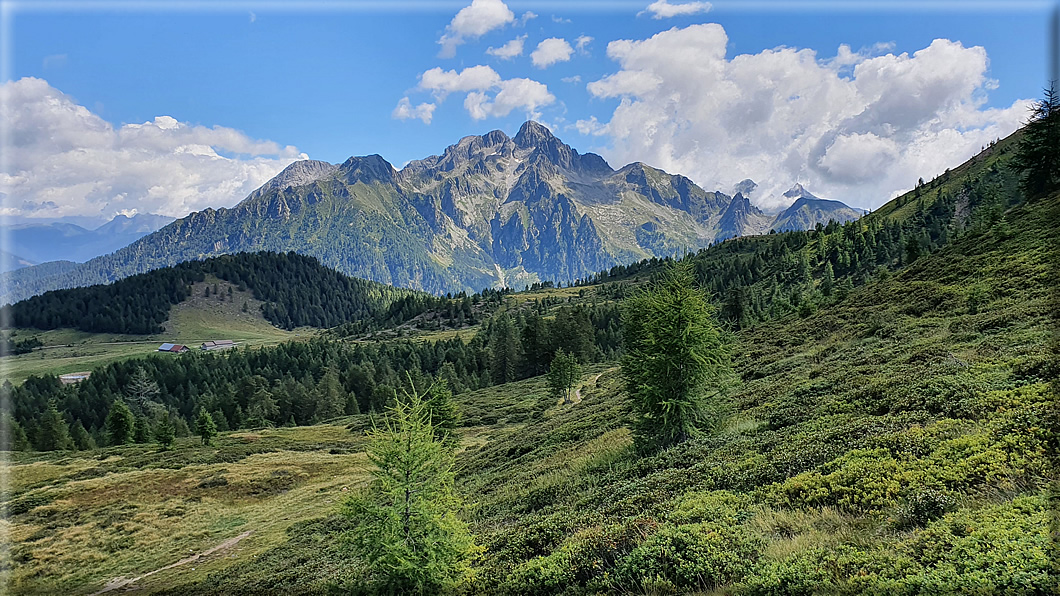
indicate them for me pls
(509, 50)
(581, 42)
(443, 82)
(662, 9)
(64, 160)
(474, 21)
(551, 51)
(488, 95)
(405, 111)
(857, 127)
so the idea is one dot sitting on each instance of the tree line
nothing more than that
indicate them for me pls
(296, 289)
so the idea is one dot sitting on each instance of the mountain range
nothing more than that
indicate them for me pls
(490, 211)
(61, 241)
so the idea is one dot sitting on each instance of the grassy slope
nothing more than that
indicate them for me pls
(82, 520)
(191, 322)
(840, 423)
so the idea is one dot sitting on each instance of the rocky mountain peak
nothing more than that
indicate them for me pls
(299, 173)
(367, 169)
(744, 187)
(532, 134)
(799, 192)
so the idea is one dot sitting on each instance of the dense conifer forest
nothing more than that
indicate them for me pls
(296, 289)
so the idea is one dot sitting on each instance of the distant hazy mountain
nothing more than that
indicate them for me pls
(808, 210)
(491, 210)
(10, 262)
(58, 241)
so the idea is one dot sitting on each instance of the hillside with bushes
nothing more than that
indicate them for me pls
(887, 426)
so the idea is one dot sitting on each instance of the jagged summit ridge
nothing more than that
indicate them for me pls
(489, 210)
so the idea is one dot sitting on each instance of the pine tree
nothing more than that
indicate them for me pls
(407, 531)
(563, 375)
(1038, 154)
(164, 432)
(205, 427)
(80, 437)
(119, 424)
(504, 350)
(331, 397)
(674, 357)
(12, 435)
(261, 406)
(443, 412)
(827, 279)
(220, 421)
(141, 390)
(53, 433)
(141, 430)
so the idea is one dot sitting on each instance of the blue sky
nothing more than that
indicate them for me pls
(325, 81)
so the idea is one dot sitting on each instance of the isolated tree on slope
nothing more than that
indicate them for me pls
(164, 432)
(205, 427)
(119, 424)
(1038, 153)
(675, 358)
(53, 433)
(563, 374)
(407, 530)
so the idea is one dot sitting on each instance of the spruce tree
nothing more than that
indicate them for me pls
(407, 531)
(119, 424)
(141, 390)
(205, 427)
(331, 397)
(443, 412)
(1038, 154)
(220, 421)
(53, 433)
(13, 436)
(504, 350)
(675, 358)
(827, 279)
(563, 375)
(164, 432)
(141, 430)
(80, 437)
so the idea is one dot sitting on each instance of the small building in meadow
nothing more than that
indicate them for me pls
(220, 344)
(76, 377)
(173, 348)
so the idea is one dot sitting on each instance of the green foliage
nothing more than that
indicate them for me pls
(164, 432)
(142, 430)
(82, 441)
(331, 398)
(1038, 154)
(681, 557)
(12, 435)
(504, 350)
(563, 375)
(53, 433)
(297, 291)
(141, 390)
(205, 426)
(674, 356)
(406, 528)
(443, 412)
(119, 424)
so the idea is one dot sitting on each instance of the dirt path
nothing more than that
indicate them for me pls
(578, 389)
(121, 582)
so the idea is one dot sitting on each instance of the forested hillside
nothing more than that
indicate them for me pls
(296, 289)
